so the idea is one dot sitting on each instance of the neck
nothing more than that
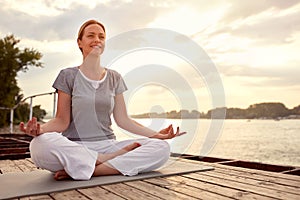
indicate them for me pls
(92, 68)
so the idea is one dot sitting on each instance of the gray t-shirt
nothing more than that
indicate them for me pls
(92, 103)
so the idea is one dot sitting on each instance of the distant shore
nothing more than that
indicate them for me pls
(276, 111)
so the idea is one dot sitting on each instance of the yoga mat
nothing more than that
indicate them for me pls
(13, 185)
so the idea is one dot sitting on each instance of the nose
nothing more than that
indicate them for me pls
(97, 39)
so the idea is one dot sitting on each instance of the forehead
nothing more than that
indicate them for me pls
(94, 28)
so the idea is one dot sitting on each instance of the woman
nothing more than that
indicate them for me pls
(87, 96)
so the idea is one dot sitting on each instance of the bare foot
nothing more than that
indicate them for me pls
(61, 175)
(130, 147)
(105, 157)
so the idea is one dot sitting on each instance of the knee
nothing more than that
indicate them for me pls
(41, 152)
(40, 146)
(163, 148)
(37, 143)
(41, 142)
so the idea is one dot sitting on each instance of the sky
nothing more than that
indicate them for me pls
(253, 44)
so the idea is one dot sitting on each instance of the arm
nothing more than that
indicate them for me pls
(124, 121)
(57, 124)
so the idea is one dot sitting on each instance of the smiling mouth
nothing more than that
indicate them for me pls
(96, 47)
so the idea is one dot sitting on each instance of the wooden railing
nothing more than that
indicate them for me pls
(31, 107)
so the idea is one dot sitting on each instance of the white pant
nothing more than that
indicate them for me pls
(54, 152)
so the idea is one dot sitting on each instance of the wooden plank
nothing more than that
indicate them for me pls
(242, 186)
(29, 160)
(71, 194)
(268, 182)
(231, 193)
(30, 164)
(184, 188)
(253, 171)
(129, 192)
(255, 174)
(99, 193)
(279, 177)
(160, 192)
(38, 197)
(24, 165)
(12, 150)
(7, 166)
(8, 144)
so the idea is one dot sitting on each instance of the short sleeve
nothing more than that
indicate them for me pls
(121, 87)
(64, 81)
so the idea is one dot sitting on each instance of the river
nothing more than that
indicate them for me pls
(266, 141)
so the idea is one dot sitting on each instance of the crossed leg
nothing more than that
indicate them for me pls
(102, 168)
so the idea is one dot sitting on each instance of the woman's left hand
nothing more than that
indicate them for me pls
(168, 133)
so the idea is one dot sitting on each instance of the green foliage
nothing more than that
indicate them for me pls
(21, 113)
(235, 113)
(38, 112)
(296, 110)
(259, 111)
(13, 60)
(267, 110)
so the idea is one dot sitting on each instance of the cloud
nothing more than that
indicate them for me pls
(264, 23)
(118, 15)
(268, 77)
(272, 30)
(243, 9)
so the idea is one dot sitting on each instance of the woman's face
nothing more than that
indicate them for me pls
(93, 40)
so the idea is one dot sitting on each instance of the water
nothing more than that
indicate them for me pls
(267, 141)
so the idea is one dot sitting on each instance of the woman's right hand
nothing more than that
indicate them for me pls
(33, 128)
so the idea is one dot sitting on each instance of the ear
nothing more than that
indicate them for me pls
(79, 43)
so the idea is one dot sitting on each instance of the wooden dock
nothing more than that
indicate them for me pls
(14, 146)
(224, 182)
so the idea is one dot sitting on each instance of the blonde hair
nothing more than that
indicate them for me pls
(87, 23)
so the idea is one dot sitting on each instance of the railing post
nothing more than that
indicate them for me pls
(11, 128)
(31, 109)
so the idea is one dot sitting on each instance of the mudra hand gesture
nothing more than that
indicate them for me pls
(33, 128)
(168, 133)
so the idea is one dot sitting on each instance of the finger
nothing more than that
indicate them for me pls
(165, 130)
(177, 131)
(33, 133)
(179, 134)
(21, 127)
(29, 123)
(34, 123)
(29, 126)
(168, 128)
(34, 130)
(30, 129)
(38, 130)
(171, 130)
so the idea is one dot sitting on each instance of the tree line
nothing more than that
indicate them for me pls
(14, 60)
(271, 110)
